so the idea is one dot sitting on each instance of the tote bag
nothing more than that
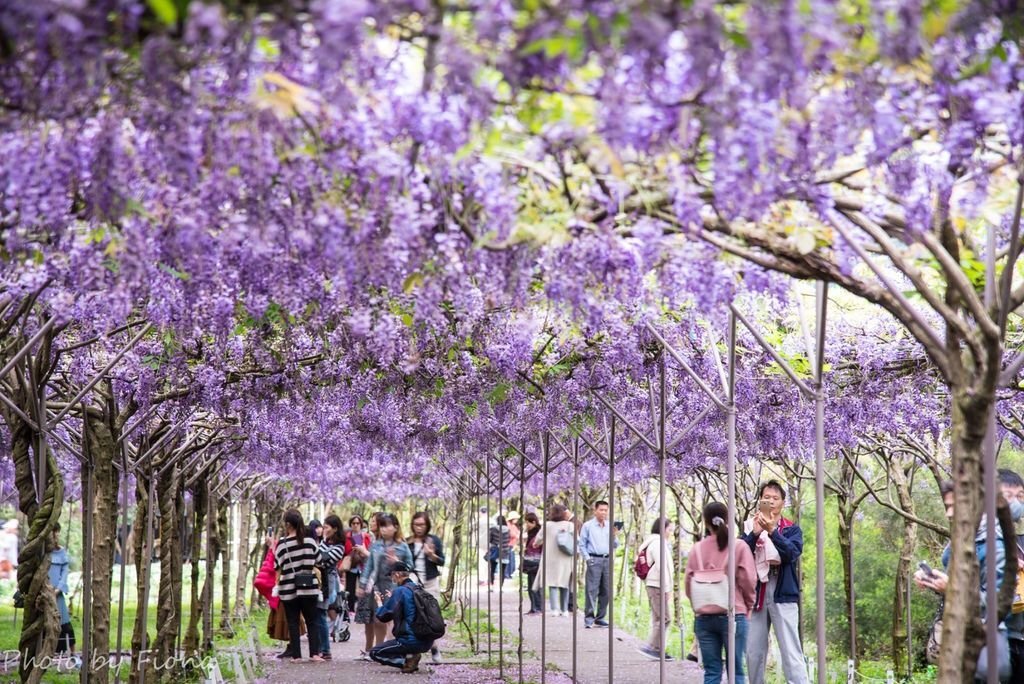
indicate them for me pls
(708, 587)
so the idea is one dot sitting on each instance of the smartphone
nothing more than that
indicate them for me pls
(618, 524)
(926, 569)
(765, 506)
(270, 531)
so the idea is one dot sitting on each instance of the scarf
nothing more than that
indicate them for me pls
(762, 587)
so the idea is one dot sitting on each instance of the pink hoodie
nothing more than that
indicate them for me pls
(711, 558)
(265, 580)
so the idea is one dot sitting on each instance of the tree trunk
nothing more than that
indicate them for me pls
(103, 449)
(168, 616)
(901, 656)
(456, 547)
(962, 631)
(847, 508)
(224, 530)
(211, 551)
(40, 625)
(142, 559)
(244, 553)
(191, 642)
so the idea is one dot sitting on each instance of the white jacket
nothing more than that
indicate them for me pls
(652, 547)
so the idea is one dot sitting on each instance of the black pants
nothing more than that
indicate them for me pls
(1017, 661)
(536, 597)
(393, 652)
(351, 580)
(306, 605)
(66, 639)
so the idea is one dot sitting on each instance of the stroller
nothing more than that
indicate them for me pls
(339, 627)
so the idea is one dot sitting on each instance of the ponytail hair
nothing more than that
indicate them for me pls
(715, 519)
(293, 518)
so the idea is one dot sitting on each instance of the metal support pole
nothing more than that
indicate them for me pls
(476, 516)
(545, 446)
(819, 479)
(662, 540)
(610, 431)
(87, 551)
(490, 573)
(522, 554)
(501, 577)
(574, 578)
(730, 426)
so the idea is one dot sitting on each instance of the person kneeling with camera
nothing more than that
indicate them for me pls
(417, 618)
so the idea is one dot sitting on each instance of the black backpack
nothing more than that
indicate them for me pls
(427, 623)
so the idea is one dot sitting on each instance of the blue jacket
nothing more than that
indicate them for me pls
(401, 607)
(790, 544)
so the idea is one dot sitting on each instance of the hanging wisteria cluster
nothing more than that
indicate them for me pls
(273, 240)
(377, 231)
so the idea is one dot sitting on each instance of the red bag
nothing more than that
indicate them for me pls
(640, 566)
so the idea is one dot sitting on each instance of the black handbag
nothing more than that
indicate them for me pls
(305, 580)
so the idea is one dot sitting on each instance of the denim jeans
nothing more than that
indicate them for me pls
(713, 636)
(558, 598)
(324, 631)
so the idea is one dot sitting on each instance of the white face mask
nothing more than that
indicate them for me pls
(1016, 509)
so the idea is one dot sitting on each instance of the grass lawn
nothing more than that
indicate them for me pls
(10, 624)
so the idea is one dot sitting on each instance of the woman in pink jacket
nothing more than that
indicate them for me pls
(264, 583)
(707, 585)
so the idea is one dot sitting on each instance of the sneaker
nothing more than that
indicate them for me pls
(412, 663)
(601, 623)
(285, 655)
(669, 658)
(692, 657)
(435, 657)
(363, 655)
(649, 652)
(325, 656)
(588, 622)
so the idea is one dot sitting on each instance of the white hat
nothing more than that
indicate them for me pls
(512, 516)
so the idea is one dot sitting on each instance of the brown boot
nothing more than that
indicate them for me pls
(412, 663)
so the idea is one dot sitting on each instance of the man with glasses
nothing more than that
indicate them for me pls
(777, 544)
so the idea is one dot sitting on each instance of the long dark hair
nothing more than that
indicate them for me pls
(716, 516)
(335, 522)
(532, 517)
(293, 518)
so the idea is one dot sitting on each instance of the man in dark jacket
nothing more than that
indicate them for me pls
(777, 600)
(405, 649)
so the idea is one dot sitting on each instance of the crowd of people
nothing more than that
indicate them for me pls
(319, 577)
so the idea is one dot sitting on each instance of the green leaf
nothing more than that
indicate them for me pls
(498, 394)
(165, 10)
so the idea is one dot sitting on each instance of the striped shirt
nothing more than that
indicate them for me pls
(331, 555)
(293, 557)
